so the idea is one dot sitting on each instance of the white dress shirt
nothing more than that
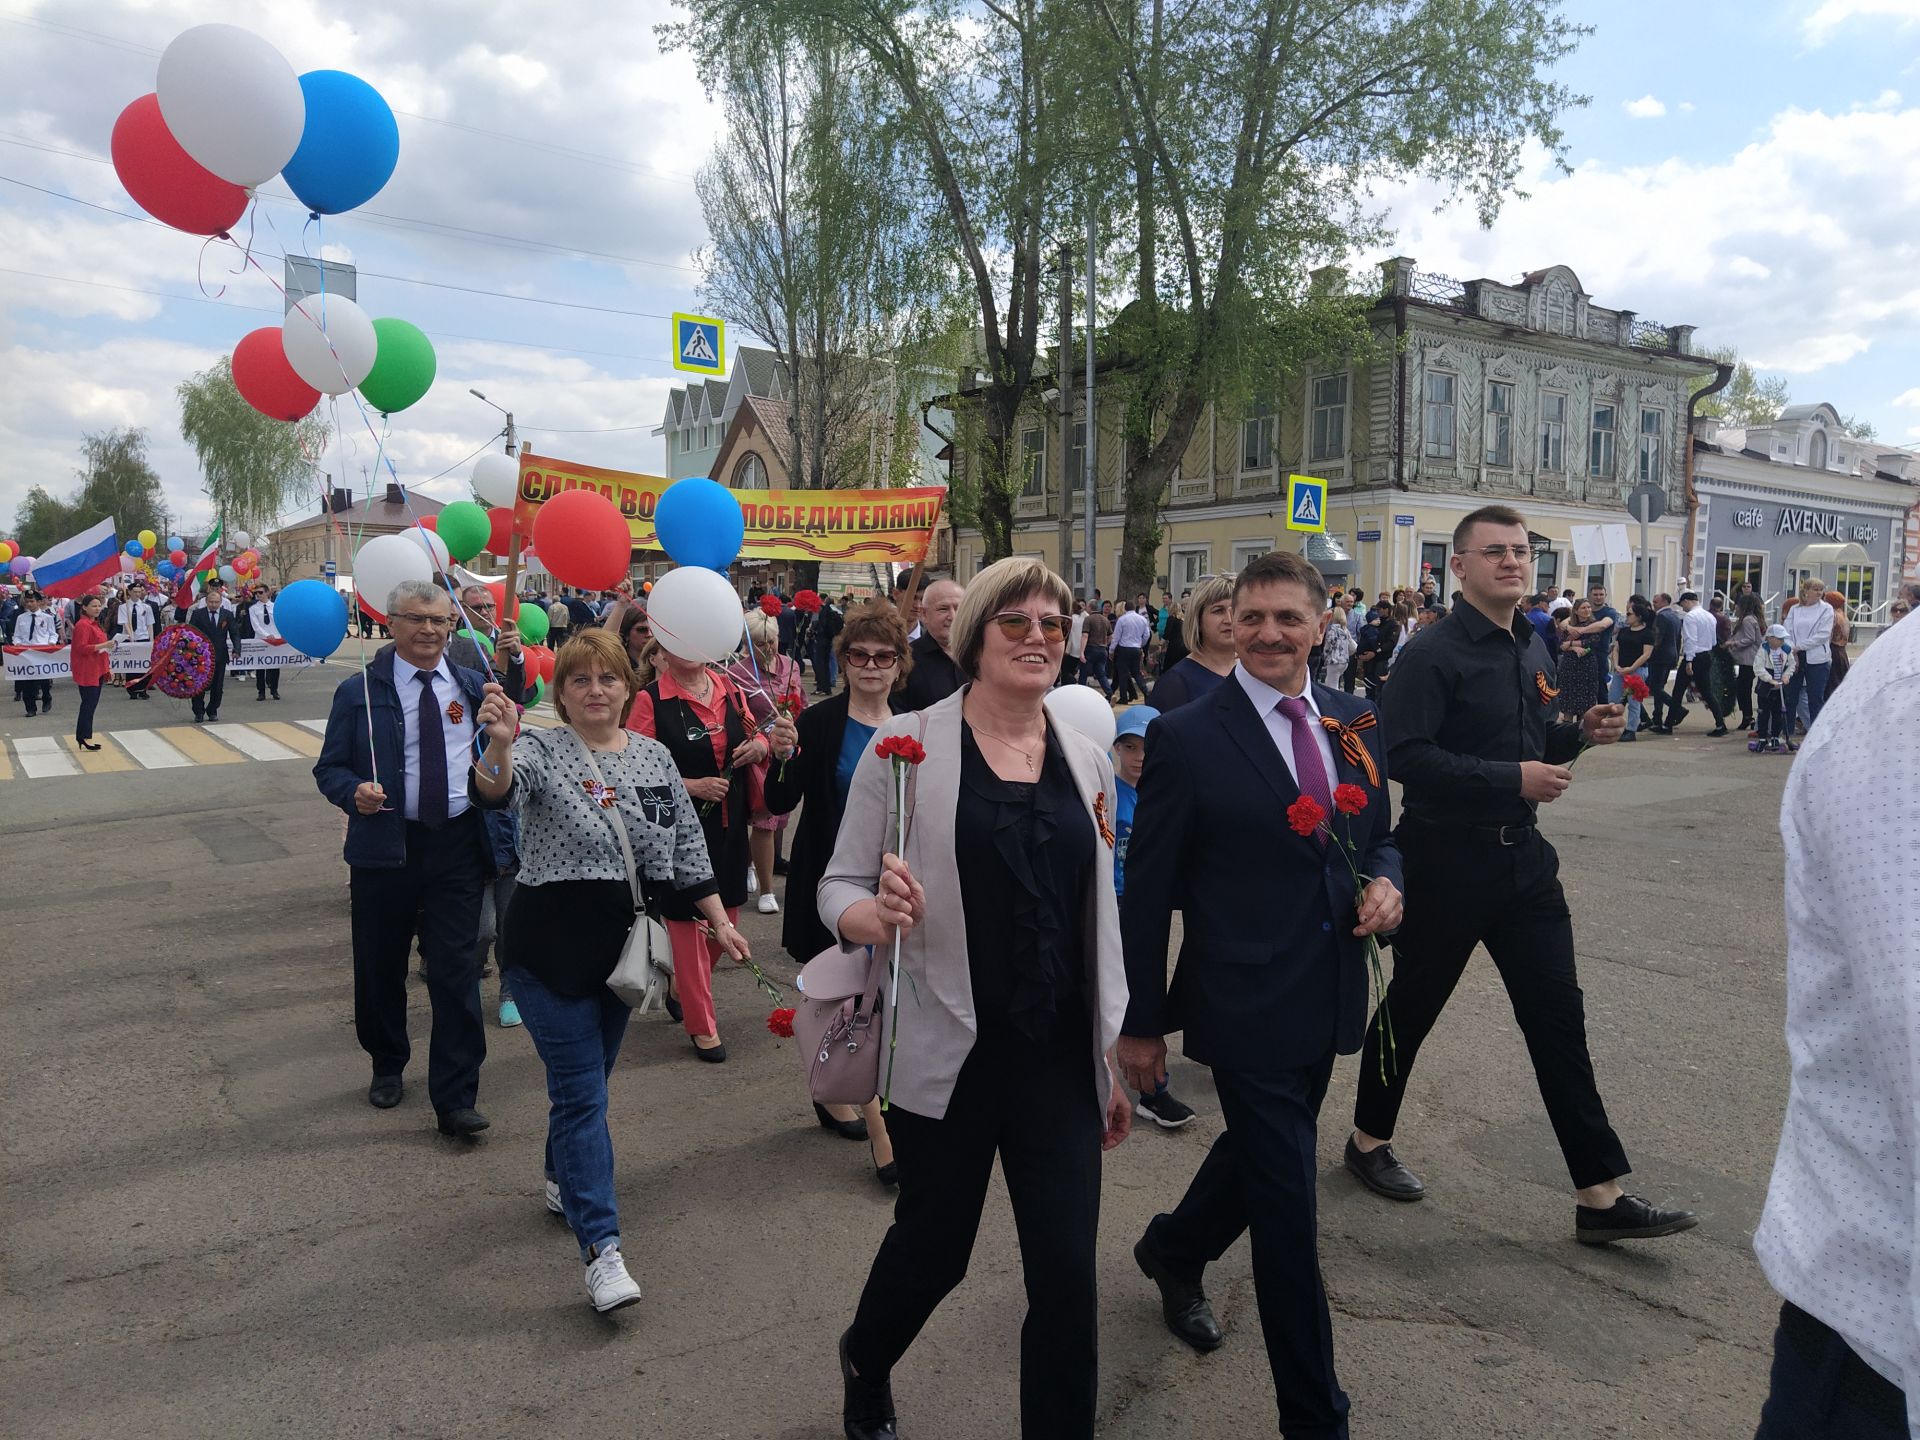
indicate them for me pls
(458, 738)
(1699, 632)
(1839, 1235)
(36, 627)
(1810, 632)
(1131, 631)
(260, 614)
(135, 620)
(1267, 700)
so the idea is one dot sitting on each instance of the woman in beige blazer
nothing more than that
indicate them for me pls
(1011, 997)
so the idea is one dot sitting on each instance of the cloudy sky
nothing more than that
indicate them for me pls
(1753, 170)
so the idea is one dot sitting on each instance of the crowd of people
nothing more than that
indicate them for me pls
(1032, 900)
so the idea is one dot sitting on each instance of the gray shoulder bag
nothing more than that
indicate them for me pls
(646, 961)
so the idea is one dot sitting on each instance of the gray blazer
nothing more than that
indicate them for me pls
(937, 1025)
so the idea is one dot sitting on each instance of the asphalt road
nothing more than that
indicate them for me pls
(207, 1231)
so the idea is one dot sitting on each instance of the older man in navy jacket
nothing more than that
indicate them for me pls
(398, 747)
(1271, 981)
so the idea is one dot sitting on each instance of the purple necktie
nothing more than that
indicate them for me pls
(433, 757)
(1308, 771)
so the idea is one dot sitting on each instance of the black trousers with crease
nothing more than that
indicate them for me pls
(1033, 1104)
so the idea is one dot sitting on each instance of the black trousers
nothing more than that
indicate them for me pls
(1743, 693)
(1699, 673)
(89, 702)
(435, 895)
(1822, 1390)
(1033, 1105)
(1465, 888)
(267, 679)
(1261, 1175)
(1126, 673)
(1662, 671)
(207, 702)
(37, 693)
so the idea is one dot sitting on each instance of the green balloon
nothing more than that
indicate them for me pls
(533, 624)
(465, 529)
(539, 691)
(482, 641)
(403, 366)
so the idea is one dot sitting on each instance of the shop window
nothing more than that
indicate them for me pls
(1329, 440)
(1437, 425)
(1499, 423)
(1856, 582)
(1600, 441)
(1734, 568)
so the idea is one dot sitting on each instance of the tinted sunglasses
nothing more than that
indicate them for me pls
(1017, 626)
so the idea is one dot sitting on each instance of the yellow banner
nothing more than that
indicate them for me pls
(826, 525)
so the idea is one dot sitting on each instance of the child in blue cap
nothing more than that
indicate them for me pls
(1129, 758)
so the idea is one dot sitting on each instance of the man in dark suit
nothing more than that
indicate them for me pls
(398, 747)
(214, 618)
(934, 675)
(1265, 992)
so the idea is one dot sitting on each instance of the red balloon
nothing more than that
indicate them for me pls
(500, 541)
(583, 540)
(164, 180)
(178, 557)
(429, 522)
(266, 381)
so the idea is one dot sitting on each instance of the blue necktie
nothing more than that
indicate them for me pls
(433, 757)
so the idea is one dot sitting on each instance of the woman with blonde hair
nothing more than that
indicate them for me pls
(771, 684)
(1208, 630)
(1004, 904)
(579, 789)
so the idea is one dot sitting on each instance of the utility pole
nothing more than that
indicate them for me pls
(1090, 478)
(1064, 372)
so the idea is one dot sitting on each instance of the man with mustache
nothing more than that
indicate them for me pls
(1473, 738)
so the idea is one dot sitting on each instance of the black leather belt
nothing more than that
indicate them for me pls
(1499, 834)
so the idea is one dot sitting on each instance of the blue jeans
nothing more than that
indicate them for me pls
(1616, 687)
(1094, 667)
(1812, 679)
(578, 1041)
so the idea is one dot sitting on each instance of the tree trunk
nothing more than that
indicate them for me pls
(1146, 484)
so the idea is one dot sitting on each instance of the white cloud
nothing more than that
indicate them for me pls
(1832, 14)
(1645, 108)
(1795, 248)
(1908, 399)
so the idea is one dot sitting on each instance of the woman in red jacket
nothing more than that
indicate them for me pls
(88, 660)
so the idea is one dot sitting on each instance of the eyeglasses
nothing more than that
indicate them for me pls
(1016, 625)
(865, 659)
(480, 605)
(431, 622)
(1494, 554)
(1901, 609)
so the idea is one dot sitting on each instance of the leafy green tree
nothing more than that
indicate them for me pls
(250, 465)
(1750, 398)
(116, 483)
(42, 521)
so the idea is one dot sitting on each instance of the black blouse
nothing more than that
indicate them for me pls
(1025, 856)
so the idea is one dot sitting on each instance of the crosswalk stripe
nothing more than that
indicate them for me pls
(319, 727)
(252, 744)
(291, 736)
(150, 750)
(198, 746)
(6, 764)
(104, 761)
(41, 756)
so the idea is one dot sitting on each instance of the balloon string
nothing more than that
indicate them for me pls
(246, 251)
(200, 267)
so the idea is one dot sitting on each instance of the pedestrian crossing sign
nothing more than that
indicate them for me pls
(699, 344)
(1306, 503)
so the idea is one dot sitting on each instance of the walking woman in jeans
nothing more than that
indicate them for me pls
(1743, 646)
(573, 909)
(90, 666)
(1633, 645)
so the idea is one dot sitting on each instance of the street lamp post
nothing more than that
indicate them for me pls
(513, 442)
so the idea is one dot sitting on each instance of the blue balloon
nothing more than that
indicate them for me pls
(174, 542)
(312, 616)
(698, 522)
(350, 145)
(165, 570)
(136, 549)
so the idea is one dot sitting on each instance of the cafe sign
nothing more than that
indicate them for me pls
(1825, 524)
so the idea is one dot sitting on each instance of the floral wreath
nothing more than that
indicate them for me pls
(182, 662)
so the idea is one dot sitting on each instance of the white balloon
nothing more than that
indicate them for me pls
(330, 343)
(242, 540)
(232, 101)
(432, 545)
(1083, 708)
(496, 479)
(696, 614)
(383, 562)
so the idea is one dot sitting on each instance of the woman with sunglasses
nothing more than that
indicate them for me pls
(831, 736)
(1004, 902)
(702, 719)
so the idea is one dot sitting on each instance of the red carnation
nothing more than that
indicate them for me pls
(1349, 799)
(1636, 688)
(1305, 815)
(807, 601)
(771, 605)
(780, 1022)
(901, 747)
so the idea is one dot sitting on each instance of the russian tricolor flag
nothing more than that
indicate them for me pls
(73, 567)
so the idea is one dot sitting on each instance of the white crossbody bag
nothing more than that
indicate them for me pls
(646, 961)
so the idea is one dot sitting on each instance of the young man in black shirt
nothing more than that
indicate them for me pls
(1473, 736)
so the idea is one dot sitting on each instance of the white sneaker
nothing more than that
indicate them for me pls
(609, 1285)
(553, 1198)
(769, 905)
(753, 881)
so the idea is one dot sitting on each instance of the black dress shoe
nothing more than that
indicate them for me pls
(1183, 1301)
(1381, 1172)
(674, 1012)
(867, 1411)
(854, 1129)
(779, 864)
(384, 1092)
(1628, 1218)
(465, 1121)
(1716, 732)
(712, 1054)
